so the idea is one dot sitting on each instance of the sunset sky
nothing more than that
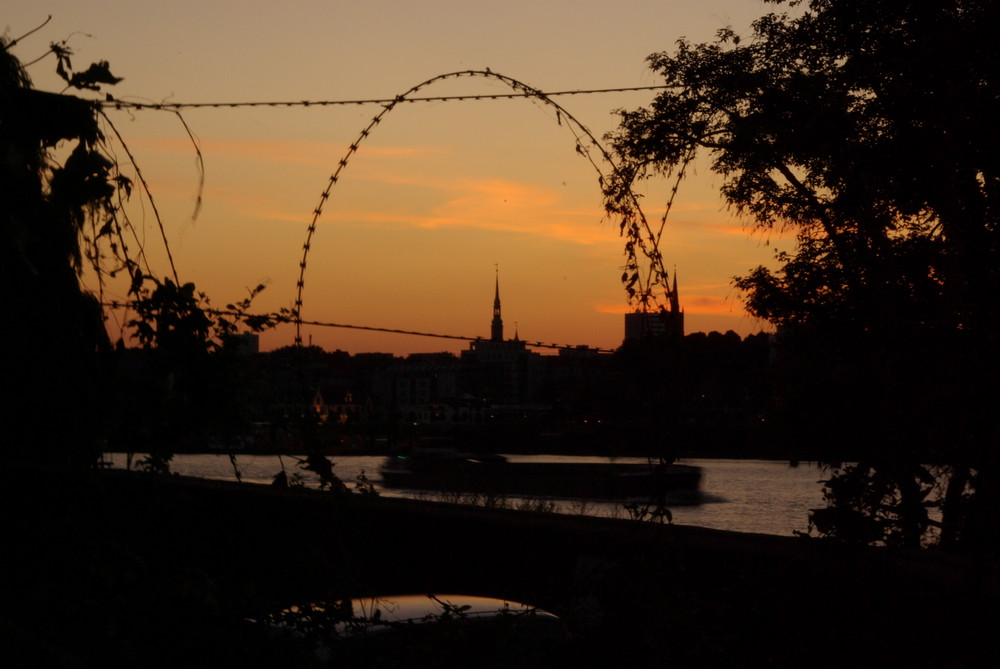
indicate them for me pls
(439, 192)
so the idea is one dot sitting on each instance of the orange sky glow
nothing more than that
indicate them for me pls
(439, 192)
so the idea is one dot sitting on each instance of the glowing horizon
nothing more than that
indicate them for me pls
(436, 195)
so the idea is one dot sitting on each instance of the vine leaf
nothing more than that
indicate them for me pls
(91, 78)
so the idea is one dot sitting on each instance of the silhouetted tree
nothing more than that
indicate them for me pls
(186, 388)
(53, 342)
(868, 128)
(61, 212)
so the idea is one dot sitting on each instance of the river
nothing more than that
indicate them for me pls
(763, 496)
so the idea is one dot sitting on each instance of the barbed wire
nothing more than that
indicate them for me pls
(126, 104)
(368, 328)
(584, 141)
(279, 318)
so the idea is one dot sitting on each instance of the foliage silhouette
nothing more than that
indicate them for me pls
(63, 214)
(49, 215)
(186, 385)
(868, 130)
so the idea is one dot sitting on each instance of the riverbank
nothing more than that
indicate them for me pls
(116, 568)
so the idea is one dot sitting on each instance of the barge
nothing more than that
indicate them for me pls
(451, 471)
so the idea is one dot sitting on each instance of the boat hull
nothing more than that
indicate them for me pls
(495, 475)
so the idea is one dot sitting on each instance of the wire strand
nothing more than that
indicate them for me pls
(126, 104)
(116, 304)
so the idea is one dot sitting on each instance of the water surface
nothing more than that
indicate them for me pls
(764, 496)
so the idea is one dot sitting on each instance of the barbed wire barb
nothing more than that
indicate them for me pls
(171, 106)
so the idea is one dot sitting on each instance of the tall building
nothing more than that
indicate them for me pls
(665, 324)
(501, 370)
(496, 327)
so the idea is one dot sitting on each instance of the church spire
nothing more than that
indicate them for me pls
(496, 328)
(675, 301)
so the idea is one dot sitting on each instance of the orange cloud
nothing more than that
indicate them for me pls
(700, 304)
(711, 304)
(493, 204)
(320, 154)
(517, 207)
(615, 308)
(488, 204)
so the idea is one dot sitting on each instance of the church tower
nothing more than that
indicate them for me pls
(501, 370)
(666, 324)
(496, 328)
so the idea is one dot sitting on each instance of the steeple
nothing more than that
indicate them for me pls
(496, 328)
(675, 302)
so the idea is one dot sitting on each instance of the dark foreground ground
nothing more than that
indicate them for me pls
(119, 569)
